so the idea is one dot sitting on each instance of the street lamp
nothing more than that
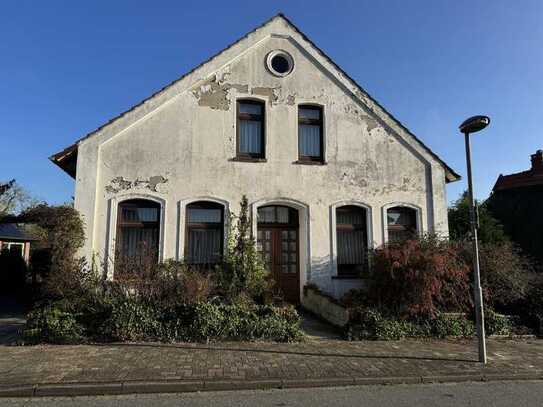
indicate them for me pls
(472, 125)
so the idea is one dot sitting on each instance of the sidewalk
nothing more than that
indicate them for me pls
(155, 367)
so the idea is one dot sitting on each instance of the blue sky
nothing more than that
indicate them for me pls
(66, 67)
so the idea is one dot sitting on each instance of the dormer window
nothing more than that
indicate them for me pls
(250, 130)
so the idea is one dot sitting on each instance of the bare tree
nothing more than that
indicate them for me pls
(14, 198)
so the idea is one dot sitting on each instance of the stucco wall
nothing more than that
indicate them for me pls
(181, 149)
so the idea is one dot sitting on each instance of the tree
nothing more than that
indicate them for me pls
(489, 231)
(14, 199)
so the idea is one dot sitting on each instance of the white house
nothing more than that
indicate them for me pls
(327, 170)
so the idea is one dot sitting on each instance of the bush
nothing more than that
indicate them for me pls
(497, 324)
(243, 271)
(52, 324)
(419, 277)
(452, 325)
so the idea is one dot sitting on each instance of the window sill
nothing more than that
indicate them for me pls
(248, 160)
(307, 162)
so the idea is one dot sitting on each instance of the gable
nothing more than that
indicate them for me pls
(207, 83)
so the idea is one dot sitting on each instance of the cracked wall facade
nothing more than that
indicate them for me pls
(183, 151)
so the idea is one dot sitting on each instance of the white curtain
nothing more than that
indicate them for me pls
(310, 140)
(250, 137)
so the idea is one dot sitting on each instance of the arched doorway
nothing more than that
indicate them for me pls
(278, 241)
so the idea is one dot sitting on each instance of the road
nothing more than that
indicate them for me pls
(495, 394)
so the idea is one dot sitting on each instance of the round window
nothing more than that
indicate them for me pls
(279, 63)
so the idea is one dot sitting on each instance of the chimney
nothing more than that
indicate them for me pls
(537, 161)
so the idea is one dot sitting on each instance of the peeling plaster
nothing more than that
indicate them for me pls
(291, 100)
(213, 93)
(272, 93)
(120, 184)
(369, 121)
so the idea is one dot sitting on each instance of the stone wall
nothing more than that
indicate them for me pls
(324, 306)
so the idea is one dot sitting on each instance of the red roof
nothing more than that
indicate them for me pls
(534, 176)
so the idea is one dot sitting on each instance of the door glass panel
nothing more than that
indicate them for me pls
(292, 234)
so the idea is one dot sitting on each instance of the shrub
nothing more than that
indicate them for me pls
(368, 323)
(52, 324)
(506, 275)
(497, 324)
(452, 324)
(419, 277)
(243, 271)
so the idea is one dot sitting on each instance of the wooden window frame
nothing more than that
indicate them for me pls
(402, 228)
(349, 270)
(319, 122)
(243, 156)
(293, 216)
(204, 225)
(121, 223)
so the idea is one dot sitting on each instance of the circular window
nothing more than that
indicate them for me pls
(280, 63)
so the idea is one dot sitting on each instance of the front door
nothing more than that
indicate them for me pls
(279, 244)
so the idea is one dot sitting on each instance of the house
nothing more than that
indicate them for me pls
(328, 171)
(516, 203)
(16, 239)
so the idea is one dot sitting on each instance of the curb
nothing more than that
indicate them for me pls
(186, 386)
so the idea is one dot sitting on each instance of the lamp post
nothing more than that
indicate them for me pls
(472, 125)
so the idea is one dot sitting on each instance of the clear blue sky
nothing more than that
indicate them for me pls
(66, 67)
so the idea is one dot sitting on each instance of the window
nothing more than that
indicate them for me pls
(204, 233)
(250, 129)
(402, 223)
(138, 231)
(280, 63)
(310, 140)
(352, 241)
(14, 248)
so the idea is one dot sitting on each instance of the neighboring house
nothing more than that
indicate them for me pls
(16, 239)
(328, 171)
(516, 202)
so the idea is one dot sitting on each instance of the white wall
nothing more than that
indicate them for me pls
(180, 147)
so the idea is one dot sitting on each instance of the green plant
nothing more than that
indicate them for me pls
(243, 271)
(497, 324)
(52, 324)
(452, 324)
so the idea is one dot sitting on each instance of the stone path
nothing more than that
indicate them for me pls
(324, 360)
(11, 320)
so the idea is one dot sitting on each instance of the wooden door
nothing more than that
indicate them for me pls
(279, 246)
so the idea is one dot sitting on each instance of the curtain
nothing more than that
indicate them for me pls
(310, 140)
(139, 243)
(350, 247)
(250, 136)
(204, 246)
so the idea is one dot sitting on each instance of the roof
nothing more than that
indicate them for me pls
(15, 232)
(67, 158)
(531, 177)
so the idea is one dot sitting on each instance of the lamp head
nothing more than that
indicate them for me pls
(474, 124)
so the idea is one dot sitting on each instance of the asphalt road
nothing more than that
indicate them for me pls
(495, 394)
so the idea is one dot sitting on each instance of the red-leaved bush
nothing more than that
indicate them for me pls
(420, 277)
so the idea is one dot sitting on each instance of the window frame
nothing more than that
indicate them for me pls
(244, 156)
(204, 225)
(402, 228)
(320, 122)
(120, 223)
(349, 271)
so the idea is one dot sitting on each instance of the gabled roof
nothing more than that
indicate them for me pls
(67, 158)
(531, 177)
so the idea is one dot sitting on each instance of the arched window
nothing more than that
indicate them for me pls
(352, 240)
(402, 223)
(204, 233)
(138, 234)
